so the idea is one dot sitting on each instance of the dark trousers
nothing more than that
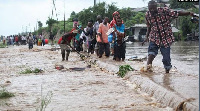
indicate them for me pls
(153, 50)
(104, 47)
(43, 42)
(120, 50)
(91, 47)
(63, 53)
(30, 46)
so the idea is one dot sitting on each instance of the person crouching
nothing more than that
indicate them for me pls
(64, 43)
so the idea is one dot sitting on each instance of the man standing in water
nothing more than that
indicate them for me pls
(159, 33)
(95, 31)
(102, 38)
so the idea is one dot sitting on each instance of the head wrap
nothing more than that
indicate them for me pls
(115, 13)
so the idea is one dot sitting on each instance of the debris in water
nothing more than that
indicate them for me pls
(7, 82)
(77, 69)
(89, 66)
(123, 69)
(59, 67)
(147, 68)
(136, 58)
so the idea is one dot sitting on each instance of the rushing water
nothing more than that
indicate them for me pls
(184, 55)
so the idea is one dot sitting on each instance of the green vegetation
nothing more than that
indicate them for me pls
(36, 70)
(45, 100)
(185, 25)
(175, 4)
(128, 16)
(123, 69)
(103, 9)
(2, 45)
(5, 94)
(28, 71)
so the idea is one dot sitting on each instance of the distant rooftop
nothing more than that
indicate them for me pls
(139, 25)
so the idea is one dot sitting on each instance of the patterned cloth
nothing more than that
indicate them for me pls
(119, 40)
(160, 23)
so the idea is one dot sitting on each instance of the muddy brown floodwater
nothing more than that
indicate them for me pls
(184, 55)
(90, 89)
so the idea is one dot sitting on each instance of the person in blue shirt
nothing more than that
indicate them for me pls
(118, 39)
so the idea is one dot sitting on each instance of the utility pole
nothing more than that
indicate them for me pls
(94, 2)
(64, 16)
(26, 30)
(64, 22)
(36, 25)
(30, 27)
(22, 29)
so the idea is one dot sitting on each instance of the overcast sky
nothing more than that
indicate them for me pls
(16, 15)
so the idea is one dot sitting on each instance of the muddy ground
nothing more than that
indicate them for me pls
(93, 89)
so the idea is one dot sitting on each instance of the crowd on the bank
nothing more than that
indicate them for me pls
(101, 37)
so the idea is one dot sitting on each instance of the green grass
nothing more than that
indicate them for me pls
(5, 94)
(45, 100)
(2, 46)
(36, 70)
(28, 71)
(123, 69)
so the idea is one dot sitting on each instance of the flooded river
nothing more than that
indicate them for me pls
(184, 55)
(98, 88)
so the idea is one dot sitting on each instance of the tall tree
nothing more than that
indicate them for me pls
(110, 9)
(50, 23)
(40, 24)
(186, 26)
(126, 14)
(185, 5)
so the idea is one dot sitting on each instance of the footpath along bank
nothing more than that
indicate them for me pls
(94, 88)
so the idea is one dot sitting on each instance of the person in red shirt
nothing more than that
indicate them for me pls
(64, 43)
(16, 40)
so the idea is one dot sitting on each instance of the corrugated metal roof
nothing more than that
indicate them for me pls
(174, 29)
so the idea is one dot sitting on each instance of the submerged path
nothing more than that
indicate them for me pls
(95, 88)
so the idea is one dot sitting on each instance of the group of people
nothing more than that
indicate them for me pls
(24, 39)
(11, 40)
(95, 37)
